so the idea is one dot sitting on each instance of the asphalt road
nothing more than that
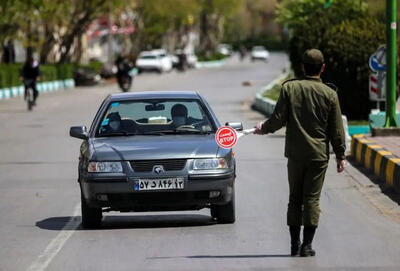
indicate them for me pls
(39, 202)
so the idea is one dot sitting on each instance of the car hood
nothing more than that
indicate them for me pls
(154, 147)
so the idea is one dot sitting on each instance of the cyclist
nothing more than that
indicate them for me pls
(29, 75)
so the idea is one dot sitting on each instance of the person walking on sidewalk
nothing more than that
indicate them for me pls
(311, 112)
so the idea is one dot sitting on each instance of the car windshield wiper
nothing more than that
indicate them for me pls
(119, 133)
(182, 131)
(159, 132)
(176, 131)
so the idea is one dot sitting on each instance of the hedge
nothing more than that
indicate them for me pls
(9, 73)
(214, 57)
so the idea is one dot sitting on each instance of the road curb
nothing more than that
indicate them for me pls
(375, 158)
(43, 87)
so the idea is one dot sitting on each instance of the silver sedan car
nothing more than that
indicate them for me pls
(154, 151)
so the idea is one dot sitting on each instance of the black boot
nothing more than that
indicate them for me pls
(308, 236)
(295, 240)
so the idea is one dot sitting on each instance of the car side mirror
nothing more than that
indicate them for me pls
(78, 132)
(238, 126)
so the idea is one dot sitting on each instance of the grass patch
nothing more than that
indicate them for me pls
(273, 93)
(214, 57)
(358, 122)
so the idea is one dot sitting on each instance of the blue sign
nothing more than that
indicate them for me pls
(375, 65)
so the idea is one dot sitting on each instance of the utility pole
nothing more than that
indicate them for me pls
(391, 55)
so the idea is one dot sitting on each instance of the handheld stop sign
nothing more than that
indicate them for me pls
(227, 137)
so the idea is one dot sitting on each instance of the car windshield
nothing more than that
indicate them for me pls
(259, 48)
(154, 117)
(148, 57)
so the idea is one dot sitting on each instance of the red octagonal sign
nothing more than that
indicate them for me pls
(226, 137)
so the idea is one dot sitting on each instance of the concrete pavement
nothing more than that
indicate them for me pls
(39, 226)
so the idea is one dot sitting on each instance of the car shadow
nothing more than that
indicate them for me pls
(128, 222)
(245, 256)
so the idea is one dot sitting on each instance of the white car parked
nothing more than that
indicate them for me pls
(225, 49)
(259, 53)
(157, 60)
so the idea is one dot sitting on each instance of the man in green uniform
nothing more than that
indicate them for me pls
(311, 112)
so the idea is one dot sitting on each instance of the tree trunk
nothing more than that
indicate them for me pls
(47, 45)
(77, 31)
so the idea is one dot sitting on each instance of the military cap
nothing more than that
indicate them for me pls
(313, 56)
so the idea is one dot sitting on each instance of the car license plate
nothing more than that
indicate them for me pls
(159, 184)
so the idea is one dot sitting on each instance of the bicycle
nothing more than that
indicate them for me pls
(29, 94)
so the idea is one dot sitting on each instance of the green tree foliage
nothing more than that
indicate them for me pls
(308, 21)
(346, 34)
(156, 18)
(347, 49)
(41, 24)
(212, 18)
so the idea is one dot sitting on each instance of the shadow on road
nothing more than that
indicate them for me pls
(130, 222)
(224, 256)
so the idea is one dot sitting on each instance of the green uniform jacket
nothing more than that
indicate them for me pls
(311, 112)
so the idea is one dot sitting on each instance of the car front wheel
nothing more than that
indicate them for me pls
(91, 217)
(225, 214)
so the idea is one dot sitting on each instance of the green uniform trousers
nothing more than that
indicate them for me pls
(305, 183)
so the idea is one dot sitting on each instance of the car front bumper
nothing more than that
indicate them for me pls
(118, 194)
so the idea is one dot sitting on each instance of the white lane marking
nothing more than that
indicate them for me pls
(52, 249)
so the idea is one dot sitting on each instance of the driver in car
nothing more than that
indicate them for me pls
(114, 123)
(179, 114)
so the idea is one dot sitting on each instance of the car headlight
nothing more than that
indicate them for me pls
(102, 167)
(214, 163)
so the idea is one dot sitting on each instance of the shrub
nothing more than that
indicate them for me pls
(65, 71)
(347, 49)
(347, 35)
(94, 65)
(215, 56)
(9, 73)
(49, 72)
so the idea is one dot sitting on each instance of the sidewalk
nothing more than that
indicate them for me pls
(380, 155)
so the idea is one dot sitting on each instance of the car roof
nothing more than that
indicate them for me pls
(154, 95)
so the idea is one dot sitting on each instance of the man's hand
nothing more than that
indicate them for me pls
(258, 130)
(341, 164)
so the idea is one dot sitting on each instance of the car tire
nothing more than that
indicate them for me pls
(91, 217)
(225, 214)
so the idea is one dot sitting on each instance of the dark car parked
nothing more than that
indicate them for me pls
(154, 151)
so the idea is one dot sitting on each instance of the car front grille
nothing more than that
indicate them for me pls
(167, 164)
